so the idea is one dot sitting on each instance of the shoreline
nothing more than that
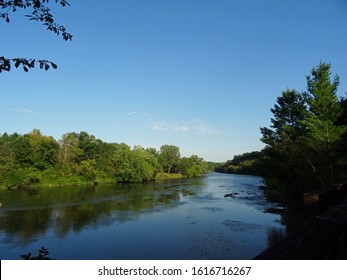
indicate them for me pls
(77, 181)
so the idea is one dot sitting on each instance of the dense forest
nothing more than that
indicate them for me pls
(306, 143)
(34, 159)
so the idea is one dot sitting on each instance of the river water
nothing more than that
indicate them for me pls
(175, 219)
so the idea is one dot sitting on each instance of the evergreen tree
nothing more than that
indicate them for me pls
(305, 138)
(323, 133)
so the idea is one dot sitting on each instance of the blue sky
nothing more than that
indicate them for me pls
(199, 74)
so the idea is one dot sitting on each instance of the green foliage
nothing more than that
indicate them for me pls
(241, 164)
(88, 170)
(192, 166)
(305, 139)
(166, 176)
(34, 159)
(169, 157)
(69, 150)
(321, 120)
(288, 115)
(322, 91)
(44, 149)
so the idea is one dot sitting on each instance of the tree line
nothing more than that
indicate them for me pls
(245, 163)
(306, 143)
(34, 159)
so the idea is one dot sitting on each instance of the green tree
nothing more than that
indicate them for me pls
(285, 159)
(169, 156)
(136, 165)
(192, 166)
(304, 138)
(40, 12)
(45, 149)
(34, 159)
(7, 160)
(288, 115)
(246, 163)
(24, 154)
(90, 146)
(122, 163)
(321, 120)
(146, 165)
(88, 169)
(69, 150)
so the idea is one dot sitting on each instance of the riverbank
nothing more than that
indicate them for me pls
(168, 176)
(81, 181)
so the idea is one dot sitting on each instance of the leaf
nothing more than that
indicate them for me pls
(46, 66)
(25, 69)
(54, 65)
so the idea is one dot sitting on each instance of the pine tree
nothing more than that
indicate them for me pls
(321, 120)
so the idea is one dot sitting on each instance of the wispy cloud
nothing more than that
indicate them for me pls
(182, 128)
(134, 113)
(23, 110)
(195, 126)
(131, 113)
(159, 126)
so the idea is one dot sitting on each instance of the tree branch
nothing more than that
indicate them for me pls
(6, 63)
(40, 13)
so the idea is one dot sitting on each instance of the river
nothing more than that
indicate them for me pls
(174, 219)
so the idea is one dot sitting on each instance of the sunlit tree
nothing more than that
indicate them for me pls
(169, 156)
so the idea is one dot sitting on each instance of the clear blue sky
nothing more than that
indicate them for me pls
(199, 74)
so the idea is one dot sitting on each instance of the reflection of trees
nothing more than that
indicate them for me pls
(72, 209)
(25, 224)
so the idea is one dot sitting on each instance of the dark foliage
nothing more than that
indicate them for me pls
(39, 11)
(241, 164)
(306, 142)
(43, 255)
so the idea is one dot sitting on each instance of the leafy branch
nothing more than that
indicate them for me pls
(40, 12)
(5, 64)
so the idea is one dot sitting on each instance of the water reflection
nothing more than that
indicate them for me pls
(26, 215)
(186, 218)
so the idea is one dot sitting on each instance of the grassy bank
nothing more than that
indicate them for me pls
(75, 180)
(165, 176)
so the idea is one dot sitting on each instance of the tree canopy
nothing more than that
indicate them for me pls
(306, 142)
(170, 156)
(39, 11)
(305, 139)
(34, 159)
